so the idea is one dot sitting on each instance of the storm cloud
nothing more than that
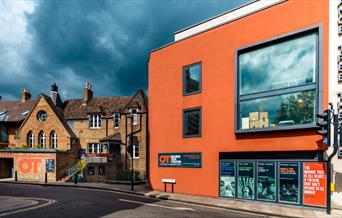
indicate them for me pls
(106, 43)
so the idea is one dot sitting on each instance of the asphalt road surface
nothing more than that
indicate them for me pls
(78, 202)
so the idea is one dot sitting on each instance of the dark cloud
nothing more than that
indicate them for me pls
(104, 42)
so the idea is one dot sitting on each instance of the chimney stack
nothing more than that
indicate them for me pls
(56, 99)
(26, 95)
(87, 93)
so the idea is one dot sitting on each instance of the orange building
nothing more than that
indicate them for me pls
(232, 105)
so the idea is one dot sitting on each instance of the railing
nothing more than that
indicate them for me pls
(72, 170)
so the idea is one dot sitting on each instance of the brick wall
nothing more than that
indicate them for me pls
(52, 123)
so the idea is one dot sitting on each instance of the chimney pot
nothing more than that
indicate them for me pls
(87, 93)
(26, 95)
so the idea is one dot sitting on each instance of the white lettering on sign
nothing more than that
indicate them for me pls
(174, 159)
(169, 180)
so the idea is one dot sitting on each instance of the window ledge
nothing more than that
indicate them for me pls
(94, 127)
(276, 129)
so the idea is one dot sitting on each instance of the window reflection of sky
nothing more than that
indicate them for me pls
(281, 65)
(195, 73)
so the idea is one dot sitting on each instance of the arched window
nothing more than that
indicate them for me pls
(30, 139)
(41, 137)
(53, 140)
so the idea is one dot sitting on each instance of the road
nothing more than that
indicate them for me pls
(78, 202)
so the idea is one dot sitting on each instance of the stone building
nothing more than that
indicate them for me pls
(56, 138)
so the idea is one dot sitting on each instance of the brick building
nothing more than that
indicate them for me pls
(50, 136)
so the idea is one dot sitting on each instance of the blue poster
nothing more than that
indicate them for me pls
(227, 179)
(50, 165)
(191, 160)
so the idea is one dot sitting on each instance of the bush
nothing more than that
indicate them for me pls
(24, 146)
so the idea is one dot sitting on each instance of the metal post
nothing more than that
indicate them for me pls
(76, 178)
(164, 186)
(45, 177)
(16, 176)
(131, 136)
(335, 146)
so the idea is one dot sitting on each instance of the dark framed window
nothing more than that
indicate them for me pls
(102, 170)
(90, 170)
(192, 123)
(278, 83)
(192, 79)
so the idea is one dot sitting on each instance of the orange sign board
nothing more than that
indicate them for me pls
(29, 165)
(314, 183)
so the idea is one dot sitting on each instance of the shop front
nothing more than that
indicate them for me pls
(297, 180)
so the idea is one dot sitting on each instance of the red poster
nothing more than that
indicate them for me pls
(314, 183)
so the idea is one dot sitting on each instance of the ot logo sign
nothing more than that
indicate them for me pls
(27, 165)
(164, 159)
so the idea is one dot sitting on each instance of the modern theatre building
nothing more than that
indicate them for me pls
(233, 103)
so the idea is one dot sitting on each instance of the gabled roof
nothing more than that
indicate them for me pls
(75, 109)
(57, 110)
(15, 111)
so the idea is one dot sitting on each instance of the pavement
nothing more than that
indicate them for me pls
(262, 208)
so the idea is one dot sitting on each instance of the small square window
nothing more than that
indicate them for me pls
(192, 123)
(192, 83)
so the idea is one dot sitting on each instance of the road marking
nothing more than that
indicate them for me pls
(49, 202)
(185, 203)
(157, 205)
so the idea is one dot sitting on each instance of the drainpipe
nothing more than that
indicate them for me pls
(335, 146)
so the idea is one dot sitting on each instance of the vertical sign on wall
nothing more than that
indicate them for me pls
(227, 179)
(289, 182)
(314, 183)
(266, 181)
(246, 180)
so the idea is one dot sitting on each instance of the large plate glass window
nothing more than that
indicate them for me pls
(192, 79)
(289, 183)
(277, 82)
(227, 179)
(245, 187)
(192, 122)
(266, 181)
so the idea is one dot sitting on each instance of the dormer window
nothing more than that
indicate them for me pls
(134, 113)
(116, 120)
(95, 121)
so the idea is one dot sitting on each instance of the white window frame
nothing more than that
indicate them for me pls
(31, 140)
(96, 148)
(134, 115)
(42, 140)
(54, 140)
(134, 149)
(95, 121)
(116, 120)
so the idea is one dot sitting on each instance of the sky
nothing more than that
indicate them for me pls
(106, 43)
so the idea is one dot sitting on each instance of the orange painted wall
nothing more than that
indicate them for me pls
(215, 49)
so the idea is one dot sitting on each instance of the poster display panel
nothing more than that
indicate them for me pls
(227, 179)
(314, 183)
(289, 182)
(246, 180)
(266, 189)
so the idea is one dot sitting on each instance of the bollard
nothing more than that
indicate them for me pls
(76, 177)
(16, 176)
(45, 177)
